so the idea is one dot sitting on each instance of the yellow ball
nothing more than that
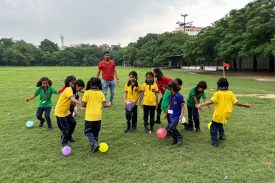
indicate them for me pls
(209, 125)
(103, 147)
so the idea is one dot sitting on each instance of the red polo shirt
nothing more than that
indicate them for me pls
(108, 69)
(163, 83)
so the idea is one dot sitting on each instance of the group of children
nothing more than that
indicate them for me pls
(145, 95)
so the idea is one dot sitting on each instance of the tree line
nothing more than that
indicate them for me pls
(247, 32)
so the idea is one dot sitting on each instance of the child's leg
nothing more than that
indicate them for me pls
(48, 116)
(159, 111)
(152, 116)
(190, 118)
(221, 133)
(145, 117)
(134, 117)
(196, 118)
(65, 127)
(173, 132)
(72, 123)
(91, 131)
(214, 133)
(39, 113)
(128, 120)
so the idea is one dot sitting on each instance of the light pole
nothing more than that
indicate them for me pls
(184, 23)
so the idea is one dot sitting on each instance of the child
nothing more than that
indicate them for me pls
(175, 111)
(93, 99)
(149, 96)
(165, 100)
(132, 94)
(45, 90)
(194, 97)
(224, 101)
(65, 120)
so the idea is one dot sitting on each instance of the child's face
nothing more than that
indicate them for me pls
(155, 74)
(149, 78)
(72, 82)
(172, 91)
(45, 84)
(200, 90)
(132, 78)
(78, 88)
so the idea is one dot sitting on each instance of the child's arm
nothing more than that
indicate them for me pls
(30, 98)
(210, 109)
(205, 103)
(141, 98)
(75, 101)
(165, 114)
(157, 100)
(182, 111)
(125, 97)
(243, 105)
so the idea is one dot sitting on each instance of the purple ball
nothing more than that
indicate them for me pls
(66, 150)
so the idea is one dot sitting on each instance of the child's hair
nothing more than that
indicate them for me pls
(173, 85)
(106, 52)
(150, 74)
(201, 84)
(94, 82)
(69, 79)
(223, 83)
(39, 83)
(158, 72)
(179, 81)
(133, 73)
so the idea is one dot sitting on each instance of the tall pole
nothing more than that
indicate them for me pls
(184, 16)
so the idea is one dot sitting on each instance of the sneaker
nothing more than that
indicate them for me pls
(134, 129)
(50, 129)
(179, 140)
(215, 144)
(174, 141)
(198, 130)
(146, 130)
(41, 123)
(222, 138)
(95, 147)
(152, 129)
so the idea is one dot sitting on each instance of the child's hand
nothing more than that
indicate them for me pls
(198, 106)
(200, 109)
(247, 105)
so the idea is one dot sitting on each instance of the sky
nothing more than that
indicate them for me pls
(104, 21)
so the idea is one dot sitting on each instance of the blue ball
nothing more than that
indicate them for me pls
(29, 124)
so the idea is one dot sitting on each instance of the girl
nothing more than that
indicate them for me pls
(224, 101)
(132, 94)
(45, 90)
(93, 99)
(194, 97)
(162, 83)
(65, 121)
(175, 111)
(149, 97)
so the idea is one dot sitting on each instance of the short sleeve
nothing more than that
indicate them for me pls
(100, 66)
(142, 88)
(52, 90)
(85, 97)
(215, 97)
(102, 97)
(156, 87)
(68, 92)
(234, 99)
(126, 88)
(192, 92)
(180, 99)
(37, 91)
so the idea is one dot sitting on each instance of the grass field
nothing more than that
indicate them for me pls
(34, 155)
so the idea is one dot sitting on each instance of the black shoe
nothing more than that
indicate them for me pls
(157, 122)
(179, 140)
(134, 129)
(71, 139)
(95, 147)
(174, 141)
(50, 129)
(151, 129)
(146, 130)
(198, 130)
(126, 130)
(222, 138)
(215, 144)
(41, 123)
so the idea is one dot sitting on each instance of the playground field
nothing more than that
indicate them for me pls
(34, 154)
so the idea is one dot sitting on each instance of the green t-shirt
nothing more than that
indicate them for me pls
(45, 96)
(192, 93)
(165, 100)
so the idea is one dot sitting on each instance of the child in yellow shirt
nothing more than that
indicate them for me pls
(224, 101)
(131, 97)
(93, 99)
(149, 101)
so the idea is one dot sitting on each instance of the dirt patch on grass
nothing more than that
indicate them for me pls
(267, 96)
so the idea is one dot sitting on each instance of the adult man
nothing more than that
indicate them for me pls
(108, 68)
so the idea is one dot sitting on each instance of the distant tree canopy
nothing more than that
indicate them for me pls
(247, 32)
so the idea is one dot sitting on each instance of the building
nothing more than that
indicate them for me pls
(190, 30)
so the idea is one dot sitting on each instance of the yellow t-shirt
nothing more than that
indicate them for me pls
(62, 108)
(94, 99)
(149, 97)
(132, 95)
(224, 101)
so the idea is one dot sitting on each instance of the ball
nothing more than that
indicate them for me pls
(66, 150)
(103, 147)
(29, 124)
(161, 133)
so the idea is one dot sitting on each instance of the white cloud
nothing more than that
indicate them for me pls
(105, 21)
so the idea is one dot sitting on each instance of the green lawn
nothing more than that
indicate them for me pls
(34, 155)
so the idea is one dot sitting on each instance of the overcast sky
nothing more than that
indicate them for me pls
(104, 21)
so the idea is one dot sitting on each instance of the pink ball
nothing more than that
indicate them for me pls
(161, 133)
(66, 150)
